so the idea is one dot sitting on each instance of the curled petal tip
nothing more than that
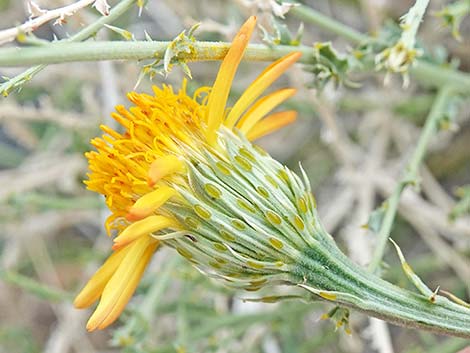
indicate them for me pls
(136, 215)
(116, 246)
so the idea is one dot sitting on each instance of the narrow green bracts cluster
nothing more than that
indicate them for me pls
(248, 218)
(252, 222)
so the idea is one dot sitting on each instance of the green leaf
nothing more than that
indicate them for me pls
(376, 218)
(453, 14)
(329, 66)
(282, 35)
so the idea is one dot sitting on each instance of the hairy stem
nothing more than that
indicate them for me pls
(202, 51)
(136, 50)
(349, 285)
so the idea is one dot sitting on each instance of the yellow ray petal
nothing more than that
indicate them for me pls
(130, 287)
(271, 123)
(142, 228)
(148, 203)
(220, 90)
(122, 284)
(258, 86)
(93, 289)
(262, 107)
(162, 167)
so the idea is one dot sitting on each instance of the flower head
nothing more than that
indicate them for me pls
(184, 174)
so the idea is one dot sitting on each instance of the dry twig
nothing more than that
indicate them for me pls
(40, 16)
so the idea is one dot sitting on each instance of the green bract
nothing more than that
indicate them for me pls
(253, 222)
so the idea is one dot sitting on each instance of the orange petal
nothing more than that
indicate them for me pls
(148, 203)
(258, 86)
(140, 228)
(262, 107)
(223, 82)
(271, 123)
(93, 289)
(122, 284)
(162, 167)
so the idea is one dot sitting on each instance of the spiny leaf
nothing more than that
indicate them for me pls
(455, 299)
(102, 6)
(175, 54)
(340, 316)
(34, 9)
(273, 298)
(140, 5)
(327, 65)
(122, 32)
(453, 14)
(282, 35)
(413, 277)
(179, 48)
(281, 8)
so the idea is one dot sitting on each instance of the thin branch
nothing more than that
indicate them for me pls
(56, 53)
(413, 203)
(93, 51)
(422, 70)
(359, 246)
(312, 16)
(89, 31)
(8, 35)
(410, 175)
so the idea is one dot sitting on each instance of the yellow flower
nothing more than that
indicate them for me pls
(147, 174)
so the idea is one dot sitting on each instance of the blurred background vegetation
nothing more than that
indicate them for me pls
(353, 141)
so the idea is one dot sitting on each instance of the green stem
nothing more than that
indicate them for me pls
(202, 51)
(410, 175)
(411, 22)
(136, 50)
(312, 16)
(91, 30)
(330, 272)
(432, 74)
(372, 295)
(32, 286)
(235, 321)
